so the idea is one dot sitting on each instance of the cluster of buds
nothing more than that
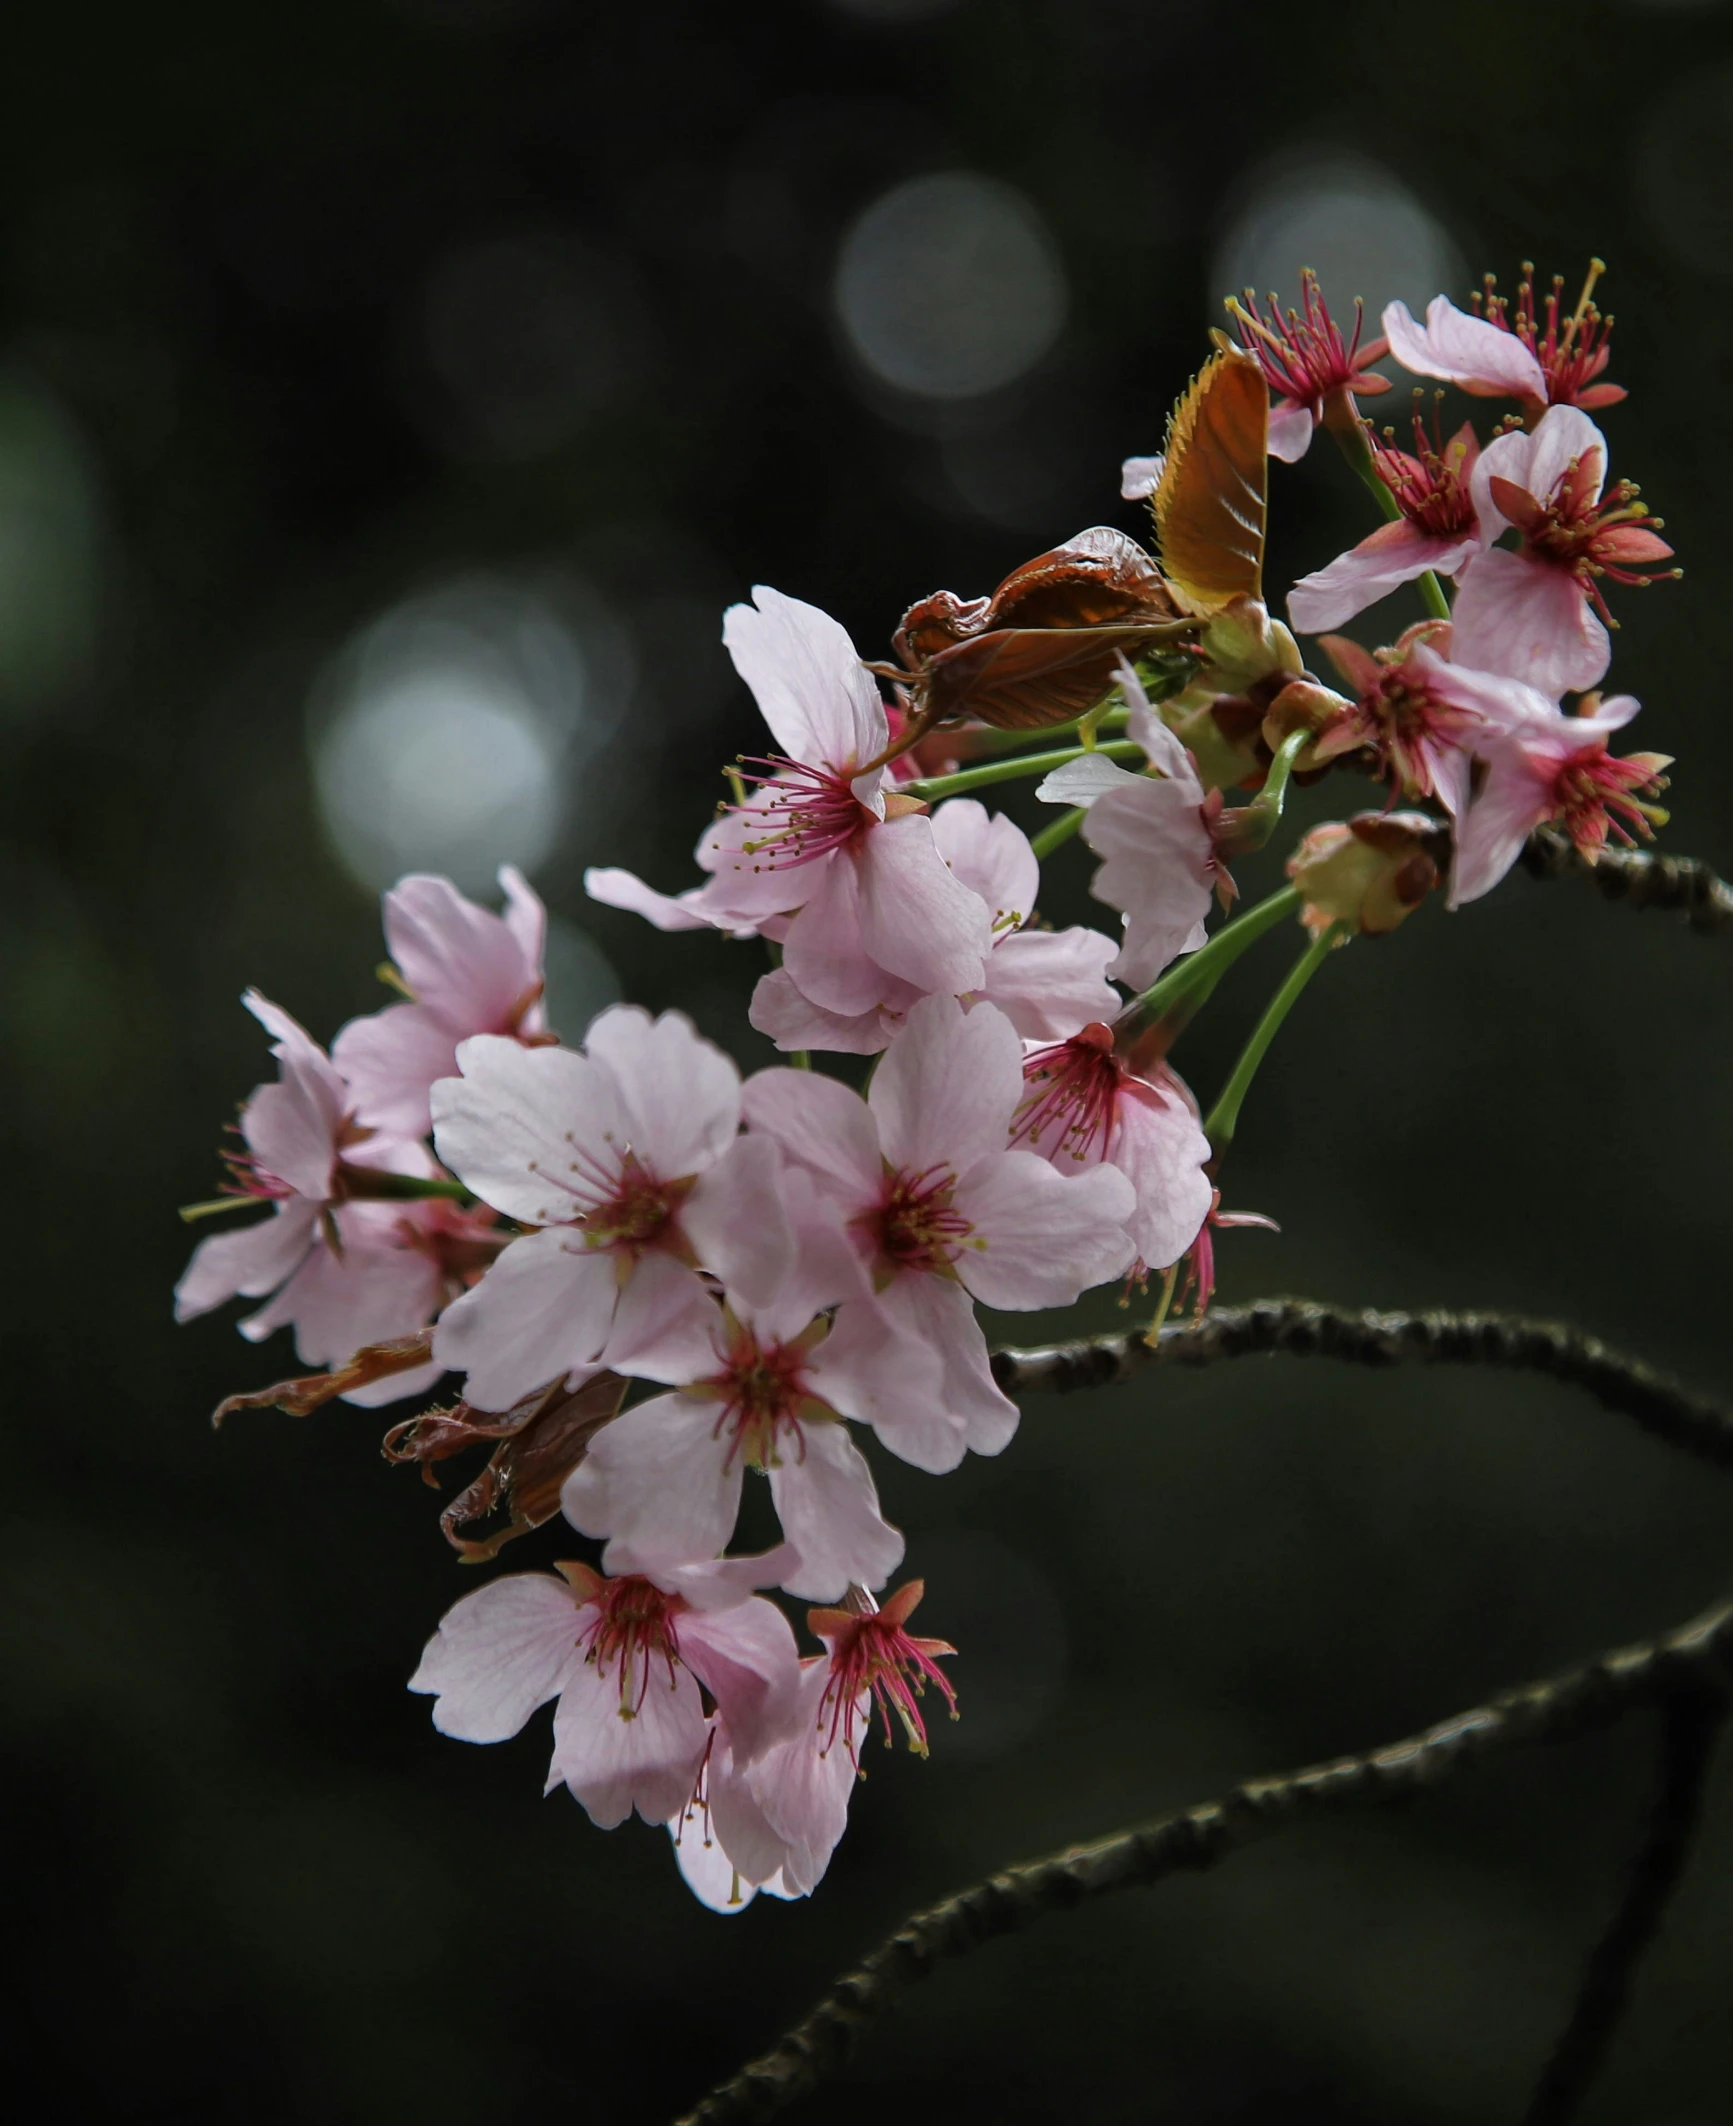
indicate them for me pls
(651, 1282)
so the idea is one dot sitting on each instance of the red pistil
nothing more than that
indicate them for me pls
(1073, 1094)
(799, 814)
(631, 1628)
(1592, 536)
(873, 1652)
(1572, 354)
(1431, 483)
(917, 1226)
(1595, 795)
(1303, 354)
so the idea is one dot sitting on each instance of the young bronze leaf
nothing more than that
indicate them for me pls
(311, 1391)
(1210, 505)
(1024, 678)
(1094, 580)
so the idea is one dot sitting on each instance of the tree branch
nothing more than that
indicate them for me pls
(1304, 1328)
(1647, 879)
(1696, 1659)
(1690, 1723)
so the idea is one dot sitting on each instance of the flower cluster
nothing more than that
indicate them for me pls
(654, 1283)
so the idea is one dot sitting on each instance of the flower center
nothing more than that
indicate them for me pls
(765, 1402)
(917, 1226)
(1572, 353)
(799, 814)
(1427, 482)
(1303, 354)
(1595, 795)
(632, 1631)
(1073, 1096)
(1408, 721)
(876, 1654)
(618, 1202)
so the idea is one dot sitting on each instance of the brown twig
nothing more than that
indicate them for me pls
(1645, 878)
(1690, 1723)
(1304, 1328)
(1697, 1660)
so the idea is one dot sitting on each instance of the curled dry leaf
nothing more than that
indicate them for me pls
(311, 1391)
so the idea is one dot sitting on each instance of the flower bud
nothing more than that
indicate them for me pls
(1242, 644)
(1305, 705)
(1369, 871)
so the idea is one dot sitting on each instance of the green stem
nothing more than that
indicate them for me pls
(1274, 793)
(1212, 959)
(1352, 443)
(371, 1183)
(995, 742)
(1056, 832)
(1220, 1122)
(992, 771)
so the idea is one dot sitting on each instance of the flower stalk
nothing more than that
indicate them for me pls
(1223, 1118)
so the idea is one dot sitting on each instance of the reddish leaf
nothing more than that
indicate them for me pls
(310, 1391)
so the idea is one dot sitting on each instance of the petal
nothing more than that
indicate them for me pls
(825, 952)
(1394, 554)
(542, 1311)
(737, 1221)
(1050, 983)
(1041, 1237)
(939, 1315)
(1290, 431)
(989, 854)
(793, 1022)
(1159, 1145)
(804, 1787)
(676, 1095)
(1527, 620)
(615, 888)
(1083, 780)
(660, 1483)
(611, 1763)
(392, 1059)
(806, 676)
(704, 1867)
(1140, 477)
(666, 1325)
(292, 1127)
(1463, 350)
(527, 920)
(823, 1125)
(1561, 437)
(461, 962)
(829, 1508)
(866, 1368)
(747, 1660)
(948, 1087)
(1512, 802)
(380, 1287)
(1157, 871)
(917, 920)
(498, 1654)
(247, 1263)
(524, 1127)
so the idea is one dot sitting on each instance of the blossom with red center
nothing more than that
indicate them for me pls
(624, 1158)
(763, 1386)
(939, 1213)
(1545, 767)
(1532, 613)
(1543, 360)
(874, 1660)
(625, 1658)
(1313, 372)
(1046, 982)
(305, 1155)
(1087, 1105)
(1438, 529)
(1157, 834)
(847, 878)
(466, 971)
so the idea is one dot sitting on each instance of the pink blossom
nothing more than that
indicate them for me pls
(774, 1822)
(1140, 477)
(1085, 1105)
(1543, 766)
(304, 1155)
(1154, 832)
(1470, 352)
(1313, 373)
(1532, 613)
(624, 1657)
(623, 1156)
(1437, 530)
(873, 910)
(1047, 982)
(762, 1384)
(1495, 354)
(468, 970)
(939, 1211)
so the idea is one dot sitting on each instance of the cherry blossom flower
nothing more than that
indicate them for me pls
(1438, 530)
(1493, 354)
(762, 1384)
(872, 908)
(467, 970)
(1156, 835)
(1140, 477)
(624, 1157)
(305, 1154)
(624, 1657)
(1047, 982)
(1543, 766)
(1086, 1105)
(1313, 373)
(773, 1823)
(939, 1210)
(1532, 613)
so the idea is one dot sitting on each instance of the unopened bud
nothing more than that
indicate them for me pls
(1305, 705)
(1369, 871)
(1222, 737)
(1243, 644)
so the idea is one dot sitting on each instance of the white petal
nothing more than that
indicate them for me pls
(1290, 431)
(460, 960)
(542, 1311)
(1394, 554)
(1041, 1237)
(247, 1263)
(747, 1660)
(829, 1509)
(660, 1483)
(1562, 436)
(823, 1125)
(392, 1059)
(737, 1220)
(1050, 983)
(940, 1315)
(1156, 871)
(946, 1091)
(867, 1368)
(612, 1764)
(792, 1021)
(526, 1128)
(676, 1096)
(1528, 620)
(498, 1654)
(1159, 1145)
(615, 888)
(825, 952)
(991, 855)
(1462, 350)
(806, 676)
(1083, 780)
(917, 920)
(1140, 477)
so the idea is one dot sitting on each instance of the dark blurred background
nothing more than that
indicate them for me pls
(391, 398)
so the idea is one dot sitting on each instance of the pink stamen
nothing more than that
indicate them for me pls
(1073, 1096)
(632, 1630)
(813, 812)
